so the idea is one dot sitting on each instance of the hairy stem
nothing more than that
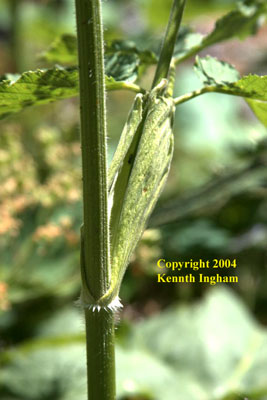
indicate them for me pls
(126, 86)
(100, 354)
(167, 49)
(93, 139)
(95, 233)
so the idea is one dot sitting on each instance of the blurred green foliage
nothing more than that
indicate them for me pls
(213, 350)
(215, 205)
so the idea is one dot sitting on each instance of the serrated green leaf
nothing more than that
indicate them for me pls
(37, 87)
(223, 77)
(122, 57)
(129, 47)
(257, 86)
(122, 62)
(240, 23)
(45, 86)
(214, 72)
(260, 110)
(122, 66)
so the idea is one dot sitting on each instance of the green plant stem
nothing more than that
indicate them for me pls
(100, 354)
(169, 41)
(210, 89)
(126, 86)
(95, 236)
(93, 140)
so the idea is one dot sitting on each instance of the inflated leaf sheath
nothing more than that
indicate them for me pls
(137, 175)
(140, 179)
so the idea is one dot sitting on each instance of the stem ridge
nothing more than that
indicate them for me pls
(93, 140)
(95, 266)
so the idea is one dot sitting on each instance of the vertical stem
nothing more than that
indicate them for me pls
(95, 241)
(93, 139)
(169, 41)
(100, 354)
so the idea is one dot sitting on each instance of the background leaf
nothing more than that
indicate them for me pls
(186, 41)
(260, 110)
(123, 52)
(240, 23)
(224, 76)
(63, 50)
(37, 87)
(198, 352)
(214, 72)
(45, 86)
